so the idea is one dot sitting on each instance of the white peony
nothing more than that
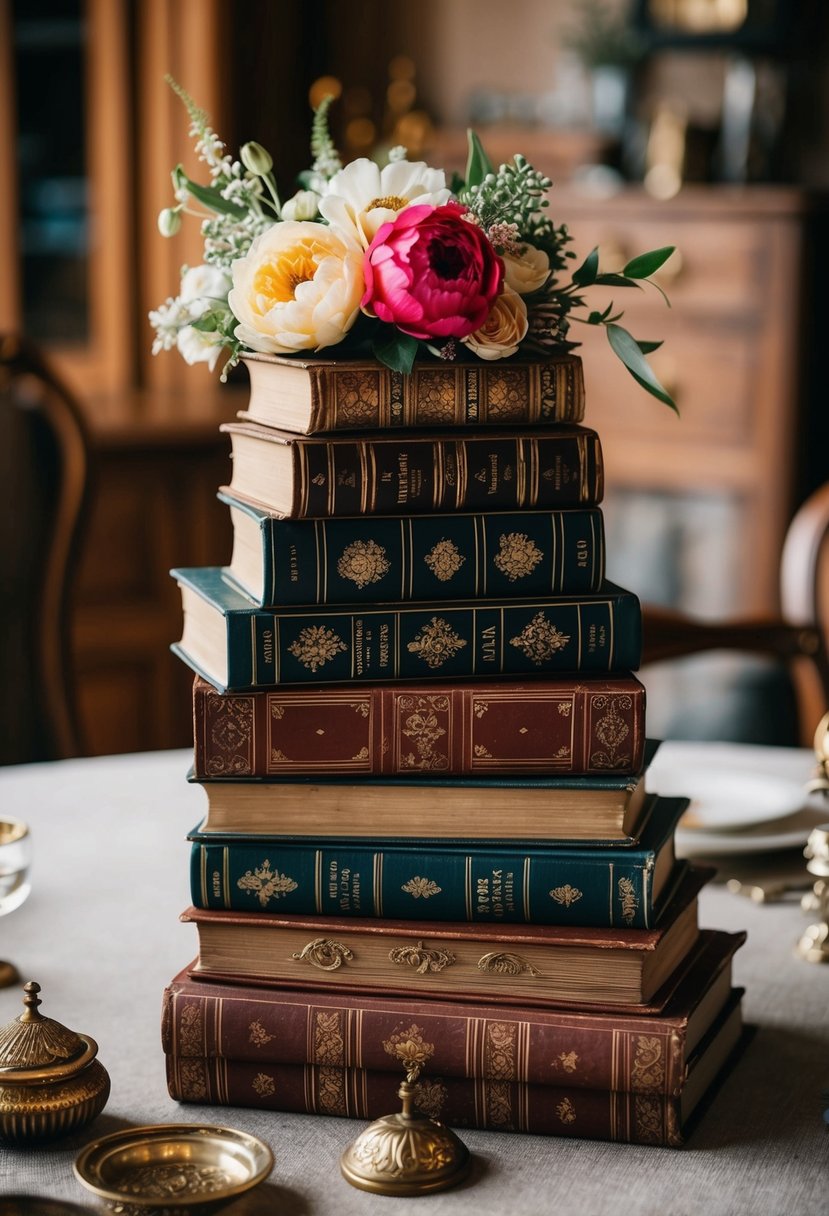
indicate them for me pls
(503, 330)
(198, 347)
(206, 283)
(297, 288)
(526, 271)
(362, 196)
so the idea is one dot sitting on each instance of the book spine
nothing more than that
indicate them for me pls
(502, 394)
(351, 879)
(502, 637)
(480, 472)
(459, 730)
(495, 1105)
(377, 558)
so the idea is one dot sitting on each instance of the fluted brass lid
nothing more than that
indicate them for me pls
(37, 1050)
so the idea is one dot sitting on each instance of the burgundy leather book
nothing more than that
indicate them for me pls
(563, 726)
(591, 1050)
(639, 1116)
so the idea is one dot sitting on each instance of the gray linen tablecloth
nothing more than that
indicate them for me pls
(100, 933)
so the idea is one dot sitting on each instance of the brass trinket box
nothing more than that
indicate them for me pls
(50, 1082)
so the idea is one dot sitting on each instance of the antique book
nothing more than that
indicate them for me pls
(636, 1116)
(308, 395)
(376, 558)
(586, 1050)
(534, 963)
(412, 473)
(236, 645)
(604, 810)
(473, 728)
(603, 886)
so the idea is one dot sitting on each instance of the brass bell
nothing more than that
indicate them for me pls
(50, 1082)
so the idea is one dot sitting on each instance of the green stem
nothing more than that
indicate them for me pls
(270, 182)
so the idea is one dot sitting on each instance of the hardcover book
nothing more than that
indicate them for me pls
(637, 1116)
(370, 559)
(308, 395)
(545, 726)
(533, 963)
(238, 646)
(410, 473)
(422, 880)
(586, 1050)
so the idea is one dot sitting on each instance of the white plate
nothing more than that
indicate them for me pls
(789, 833)
(729, 801)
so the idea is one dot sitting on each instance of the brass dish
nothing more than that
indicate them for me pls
(173, 1167)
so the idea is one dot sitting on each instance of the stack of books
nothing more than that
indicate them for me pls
(428, 841)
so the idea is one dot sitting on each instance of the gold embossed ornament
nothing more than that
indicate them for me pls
(407, 1153)
(50, 1082)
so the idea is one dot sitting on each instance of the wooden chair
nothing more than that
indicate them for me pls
(44, 467)
(797, 637)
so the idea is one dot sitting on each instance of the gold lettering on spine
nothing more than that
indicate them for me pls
(527, 864)
(462, 474)
(362, 449)
(526, 487)
(378, 881)
(332, 480)
(438, 475)
(226, 876)
(372, 488)
(300, 455)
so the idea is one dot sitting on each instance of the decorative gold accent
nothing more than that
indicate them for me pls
(566, 895)
(501, 962)
(564, 708)
(193, 1080)
(422, 726)
(410, 1048)
(362, 754)
(331, 1091)
(648, 1068)
(266, 884)
(316, 645)
(498, 1105)
(421, 888)
(191, 1030)
(422, 958)
(363, 562)
(231, 735)
(522, 730)
(480, 708)
(347, 478)
(360, 707)
(562, 753)
(357, 399)
(444, 559)
(540, 640)
(277, 711)
(481, 752)
(517, 556)
(430, 1097)
(647, 1116)
(168, 1181)
(278, 756)
(325, 954)
(566, 1111)
(264, 1085)
(436, 642)
(506, 397)
(611, 730)
(258, 1035)
(329, 1037)
(628, 900)
(501, 1051)
(437, 399)
(568, 1060)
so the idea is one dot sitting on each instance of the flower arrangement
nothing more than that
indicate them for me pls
(391, 261)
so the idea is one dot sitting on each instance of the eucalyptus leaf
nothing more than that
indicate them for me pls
(586, 273)
(395, 349)
(646, 264)
(615, 280)
(210, 197)
(625, 346)
(478, 163)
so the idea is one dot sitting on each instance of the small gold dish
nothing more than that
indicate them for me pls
(173, 1167)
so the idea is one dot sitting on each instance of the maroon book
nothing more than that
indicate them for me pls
(593, 1050)
(550, 726)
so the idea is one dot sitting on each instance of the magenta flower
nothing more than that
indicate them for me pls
(431, 273)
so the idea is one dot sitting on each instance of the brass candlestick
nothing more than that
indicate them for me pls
(814, 944)
(407, 1153)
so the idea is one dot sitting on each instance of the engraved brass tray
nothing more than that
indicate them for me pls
(173, 1167)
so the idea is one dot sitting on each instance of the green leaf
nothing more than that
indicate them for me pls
(210, 197)
(586, 273)
(646, 264)
(625, 346)
(614, 280)
(395, 349)
(595, 318)
(208, 322)
(647, 348)
(478, 163)
(457, 184)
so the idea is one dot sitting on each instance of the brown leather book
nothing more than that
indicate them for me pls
(308, 395)
(591, 1050)
(538, 964)
(549, 726)
(639, 1116)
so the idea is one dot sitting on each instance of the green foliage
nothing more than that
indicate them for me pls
(395, 349)
(478, 164)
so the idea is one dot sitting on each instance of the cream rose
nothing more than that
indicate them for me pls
(298, 288)
(525, 272)
(503, 330)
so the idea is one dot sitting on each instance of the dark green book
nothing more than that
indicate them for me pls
(603, 887)
(371, 559)
(236, 645)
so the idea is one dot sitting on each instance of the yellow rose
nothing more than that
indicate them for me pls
(504, 328)
(298, 288)
(526, 271)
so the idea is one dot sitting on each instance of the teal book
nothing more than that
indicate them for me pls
(371, 559)
(236, 645)
(603, 887)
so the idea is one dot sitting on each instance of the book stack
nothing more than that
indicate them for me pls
(428, 843)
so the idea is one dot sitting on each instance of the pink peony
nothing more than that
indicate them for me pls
(431, 273)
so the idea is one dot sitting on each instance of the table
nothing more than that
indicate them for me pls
(100, 933)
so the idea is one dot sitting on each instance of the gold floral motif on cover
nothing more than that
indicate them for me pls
(436, 642)
(363, 562)
(191, 1031)
(444, 560)
(647, 1116)
(566, 895)
(540, 640)
(498, 1105)
(231, 735)
(501, 1051)
(316, 645)
(193, 1080)
(611, 731)
(648, 1068)
(331, 1092)
(568, 1060)
(628, 900)
(430, 1096)
(517, 556)
(263, 1085)
(421, 888)
(566, 1111)
(329, 1037)
(266, 884)
(258, 1035)
(422, 725)
(410, 1048)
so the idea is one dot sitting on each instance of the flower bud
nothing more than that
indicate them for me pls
(303, 206)
(256, 159)
(169, 221)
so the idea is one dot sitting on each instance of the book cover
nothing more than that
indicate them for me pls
(425, 880)
(366, 559)
(537, 963)
(309, 395)
(591, 1050)
(237, 646)
(565, 726)
(410, 473)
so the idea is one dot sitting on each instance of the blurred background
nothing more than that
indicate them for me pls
(699, 123)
